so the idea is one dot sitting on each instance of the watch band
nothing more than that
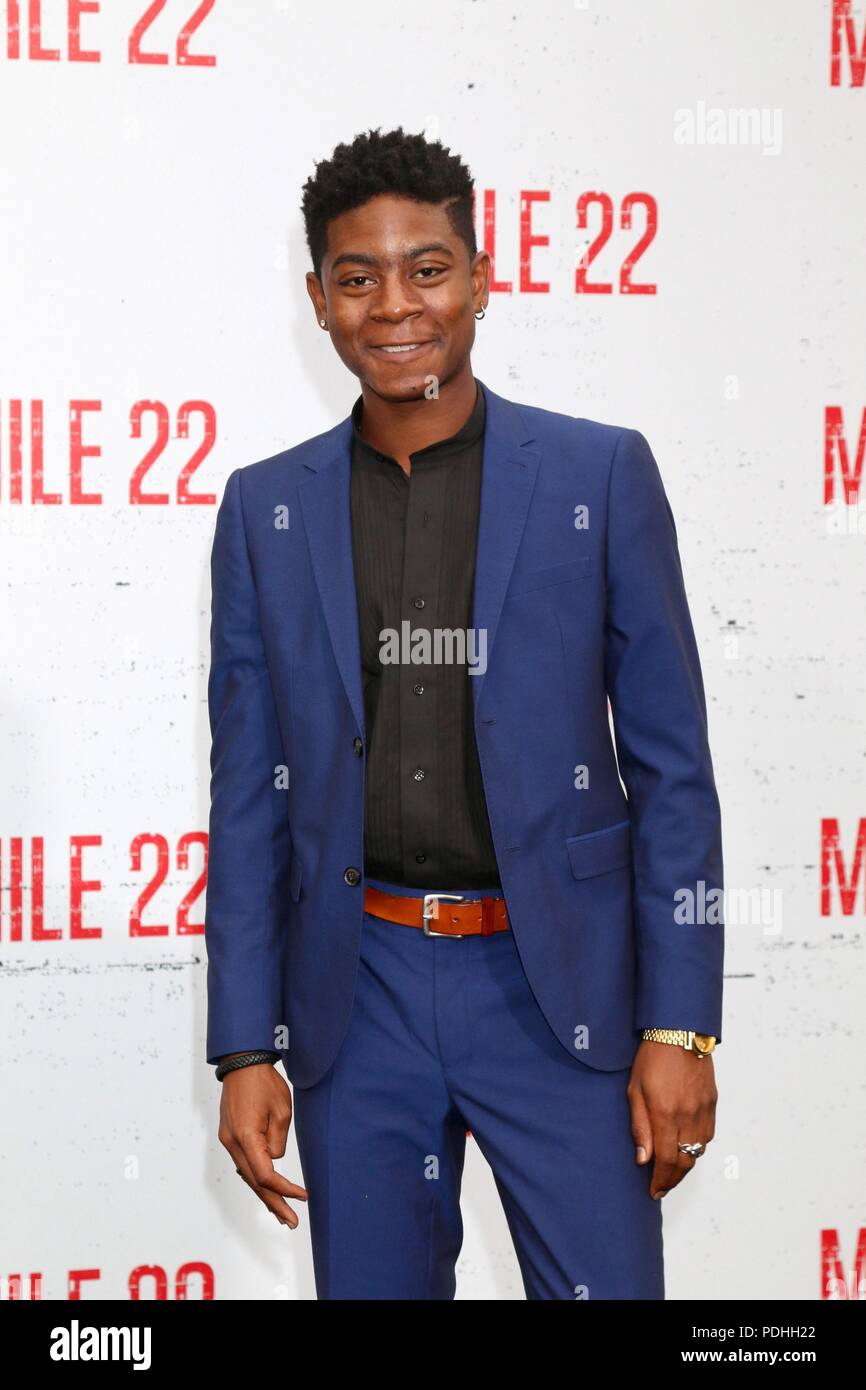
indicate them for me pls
(701, 1044)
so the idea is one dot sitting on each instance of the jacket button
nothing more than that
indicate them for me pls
(352, 877)
(358, 747)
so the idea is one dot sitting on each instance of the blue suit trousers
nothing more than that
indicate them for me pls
(446, 1036)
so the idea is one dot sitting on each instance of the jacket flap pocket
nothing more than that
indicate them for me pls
(600, 850)
(296, 873)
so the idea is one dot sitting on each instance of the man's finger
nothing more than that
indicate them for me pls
(278, 1206)
(641, 1127)
(278, 1133)
(255, 1151)
(274, 1201)
(667, 1169)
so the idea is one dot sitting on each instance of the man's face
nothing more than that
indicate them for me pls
(395, 273)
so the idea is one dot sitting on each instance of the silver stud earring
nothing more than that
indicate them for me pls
(322, 322)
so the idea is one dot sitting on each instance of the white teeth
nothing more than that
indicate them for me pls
(403, 347)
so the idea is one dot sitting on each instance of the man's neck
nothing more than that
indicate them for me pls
(401, 428)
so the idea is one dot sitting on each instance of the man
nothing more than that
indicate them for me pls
(434, 893)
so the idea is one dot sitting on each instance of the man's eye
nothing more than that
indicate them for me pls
(432, 269)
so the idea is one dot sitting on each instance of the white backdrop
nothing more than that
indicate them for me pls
(153, 252)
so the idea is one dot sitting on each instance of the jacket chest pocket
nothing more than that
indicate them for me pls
(529, 581)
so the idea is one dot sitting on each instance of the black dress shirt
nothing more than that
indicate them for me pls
(414, 546)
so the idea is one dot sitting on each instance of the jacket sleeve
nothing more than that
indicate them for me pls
(660, 723)
(249, 843)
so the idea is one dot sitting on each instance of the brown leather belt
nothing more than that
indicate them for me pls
(452, 915)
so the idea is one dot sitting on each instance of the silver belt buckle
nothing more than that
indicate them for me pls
(427, 914)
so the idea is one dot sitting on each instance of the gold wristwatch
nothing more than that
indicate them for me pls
(700, 1043)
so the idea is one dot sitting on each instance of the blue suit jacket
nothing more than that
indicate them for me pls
(575, 615)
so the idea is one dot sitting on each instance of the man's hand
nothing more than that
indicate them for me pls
(672, 1095)
(255, 1114)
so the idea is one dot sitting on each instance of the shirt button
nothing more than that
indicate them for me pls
(352, 877)
(358, 747)
(418, 602)
(418, 774)
(417, 689)
(420, 858)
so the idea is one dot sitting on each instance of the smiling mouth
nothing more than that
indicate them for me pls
(402, 349)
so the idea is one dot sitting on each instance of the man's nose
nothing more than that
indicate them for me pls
(395, 301)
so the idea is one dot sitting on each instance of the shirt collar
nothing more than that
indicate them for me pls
(461, 439)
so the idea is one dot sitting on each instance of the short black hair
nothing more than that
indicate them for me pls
(407, 165)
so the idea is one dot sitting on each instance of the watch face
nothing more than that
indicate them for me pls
(704, 1043)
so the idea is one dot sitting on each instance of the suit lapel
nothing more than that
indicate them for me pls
(507, 479)
(324, 498)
